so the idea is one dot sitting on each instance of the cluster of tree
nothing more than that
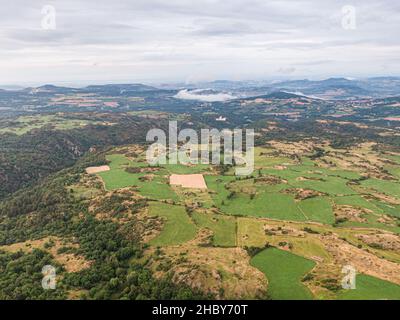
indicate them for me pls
(117, 269)
(21, 276)
(116, 272)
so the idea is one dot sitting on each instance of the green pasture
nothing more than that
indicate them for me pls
(178, 228)
(223, 227)
(118, 177)
(390, 188)
(267, 205)
(371, 288)
(284, 272)
(318, 209)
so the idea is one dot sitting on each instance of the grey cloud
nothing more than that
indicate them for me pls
(159, 38)
(224, 28)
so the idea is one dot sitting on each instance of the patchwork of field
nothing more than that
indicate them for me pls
(151, 182)
(25, 124)
(297, 210)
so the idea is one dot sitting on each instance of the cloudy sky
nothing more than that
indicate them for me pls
(98, 41)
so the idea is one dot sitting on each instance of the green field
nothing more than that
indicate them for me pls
(392, 210)
(390, 188)
(223, 227)
(371, 288)
(250, 232)
(329, 185)
(264, 158)
(178, 227)
(239, 202)
(118, 177)
(25, 124)
(252, 197)
(356, 201)
(216, 184)
(268, 205)
(284, 272)
(318, 209)
(331, 182)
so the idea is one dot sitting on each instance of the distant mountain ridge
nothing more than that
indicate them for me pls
(278, 95)
(338, 88)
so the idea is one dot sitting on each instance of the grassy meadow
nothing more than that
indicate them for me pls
(297, 199)
(284, 272)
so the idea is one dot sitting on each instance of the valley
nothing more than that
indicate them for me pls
(78, 193)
